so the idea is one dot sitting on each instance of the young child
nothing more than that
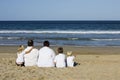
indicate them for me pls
(70, 59)
(20, 55)
(60, 58)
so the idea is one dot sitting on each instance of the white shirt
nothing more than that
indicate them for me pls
(70, 62)
(32, 57)
(60, 60)
(20, 57)
(46, 57)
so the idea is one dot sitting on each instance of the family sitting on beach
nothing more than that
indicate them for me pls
(45, 57)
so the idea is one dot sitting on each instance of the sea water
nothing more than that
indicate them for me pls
(60, 33)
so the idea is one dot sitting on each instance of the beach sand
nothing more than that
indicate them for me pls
(96, 63)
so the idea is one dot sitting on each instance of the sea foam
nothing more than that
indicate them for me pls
(61, 32)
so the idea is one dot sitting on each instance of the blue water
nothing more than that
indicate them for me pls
(75, 33)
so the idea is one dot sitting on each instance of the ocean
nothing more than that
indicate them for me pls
(61, 33)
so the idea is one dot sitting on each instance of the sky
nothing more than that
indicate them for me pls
(59, 10)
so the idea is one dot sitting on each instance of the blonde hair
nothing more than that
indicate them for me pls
(21, 48)
(69, 53)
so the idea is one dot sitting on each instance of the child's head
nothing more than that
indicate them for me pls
(69, 53)
(21, 48)
(60, 50)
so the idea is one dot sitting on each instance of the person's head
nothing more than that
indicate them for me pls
(46, 43)
(21, 48)
(69, 53)
(30, 42)
(60, 50)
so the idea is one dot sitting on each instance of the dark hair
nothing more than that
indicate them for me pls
(46, 43)
(60, 50)
(30, 42)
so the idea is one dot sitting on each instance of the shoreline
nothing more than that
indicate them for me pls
(77, 50)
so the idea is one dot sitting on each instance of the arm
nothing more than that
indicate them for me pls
(55, 60)
(26, 52)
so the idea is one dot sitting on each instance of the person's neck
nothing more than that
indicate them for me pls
(30, 46)
(46, 46)
(60, 53)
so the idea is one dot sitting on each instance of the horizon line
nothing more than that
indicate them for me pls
(59, 20)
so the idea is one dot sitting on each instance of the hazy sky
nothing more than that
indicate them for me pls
(59, 9)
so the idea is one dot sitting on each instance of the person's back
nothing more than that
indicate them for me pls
(20, 56)
(70, 59)
(46, 56)
(60, 59)
(32, 57)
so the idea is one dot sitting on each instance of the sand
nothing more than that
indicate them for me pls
(96, 63)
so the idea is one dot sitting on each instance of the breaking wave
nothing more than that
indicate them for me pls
(60, 32)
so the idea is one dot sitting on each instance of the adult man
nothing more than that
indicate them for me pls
(31, 57)
(46, 56)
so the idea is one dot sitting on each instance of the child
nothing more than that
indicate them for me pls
(60, 58)
(70, 59)
(20, 54)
